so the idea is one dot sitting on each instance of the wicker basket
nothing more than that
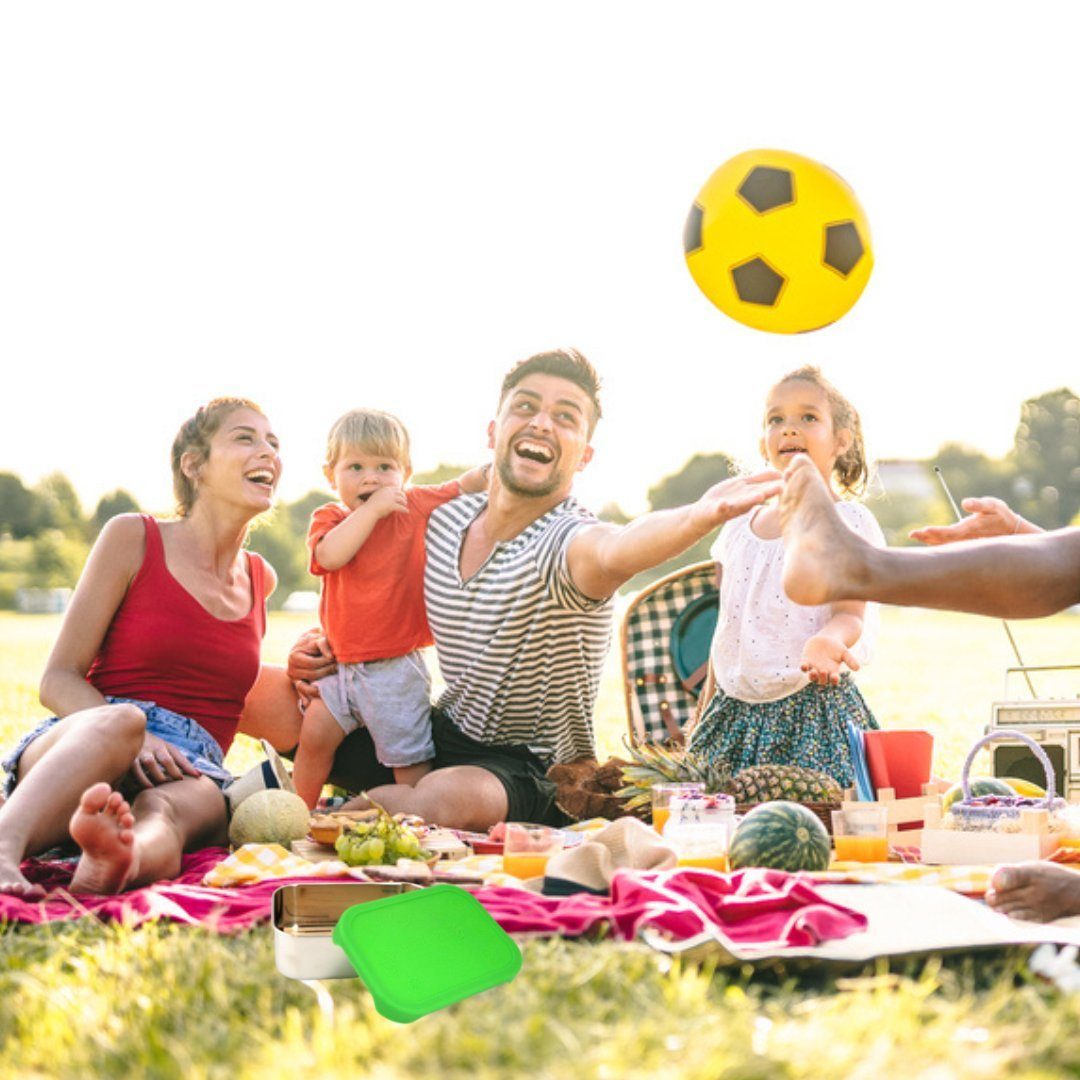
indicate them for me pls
(822, 810)
(972, 813)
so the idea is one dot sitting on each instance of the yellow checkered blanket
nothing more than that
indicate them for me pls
(262, 862)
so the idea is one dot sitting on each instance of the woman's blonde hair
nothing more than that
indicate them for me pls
(851, 469)
(194, 437)
(372, 431)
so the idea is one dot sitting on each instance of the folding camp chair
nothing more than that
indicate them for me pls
(666, 633)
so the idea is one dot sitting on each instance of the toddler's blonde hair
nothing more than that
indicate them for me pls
(371, 431)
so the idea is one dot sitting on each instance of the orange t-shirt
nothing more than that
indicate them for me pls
(372, 608)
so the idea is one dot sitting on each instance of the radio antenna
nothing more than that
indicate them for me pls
(1008, 631)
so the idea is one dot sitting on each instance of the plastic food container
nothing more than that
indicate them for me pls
(424, 951)
(304, 917)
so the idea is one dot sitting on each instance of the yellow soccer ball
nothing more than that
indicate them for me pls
(778, 242)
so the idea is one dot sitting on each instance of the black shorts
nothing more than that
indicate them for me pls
(530, 795)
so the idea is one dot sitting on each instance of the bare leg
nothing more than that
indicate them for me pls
(411, 775)
(1035, 891)
(55, 769)
(460, 797)
(1016, 577)
(129, 850)
(271, 711)
(320, 736)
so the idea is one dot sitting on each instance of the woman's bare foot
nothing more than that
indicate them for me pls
(1035, 891)
(822, 556)
(103, 827)
(12, 882)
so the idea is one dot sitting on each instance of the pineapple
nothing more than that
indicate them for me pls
(654, 764)
(764, 783)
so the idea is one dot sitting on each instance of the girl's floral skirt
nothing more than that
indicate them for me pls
(808, 728)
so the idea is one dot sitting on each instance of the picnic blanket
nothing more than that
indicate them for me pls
(766, 908)
(968, 880)
(230, 892)
(183, 899)
(753, 905)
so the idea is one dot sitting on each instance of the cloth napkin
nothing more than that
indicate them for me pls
(261, 862)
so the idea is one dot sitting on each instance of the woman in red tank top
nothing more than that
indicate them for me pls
(168, 615)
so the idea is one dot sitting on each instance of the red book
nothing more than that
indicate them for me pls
(901, 760)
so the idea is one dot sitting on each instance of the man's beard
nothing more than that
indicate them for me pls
(537, 491)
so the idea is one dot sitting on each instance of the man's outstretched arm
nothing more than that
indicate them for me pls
(986, 517)
(603, 557)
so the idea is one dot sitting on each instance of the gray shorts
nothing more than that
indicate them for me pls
(392, 699)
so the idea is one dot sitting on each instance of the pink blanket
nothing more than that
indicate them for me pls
(760, 907)
(183, 899)
(765, 907)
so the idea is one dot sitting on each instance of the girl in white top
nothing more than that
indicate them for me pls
(779, 689)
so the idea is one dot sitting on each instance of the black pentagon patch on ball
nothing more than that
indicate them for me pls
(843, 247)
(691, 236)
(767, 189)
(756, 282)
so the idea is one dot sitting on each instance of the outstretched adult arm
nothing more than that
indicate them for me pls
(986, 517)
(603, 557)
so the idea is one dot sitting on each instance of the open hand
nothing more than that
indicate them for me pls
(733, 497)
(986, 517)
(310, 659)
(822, 658)
(160, 762)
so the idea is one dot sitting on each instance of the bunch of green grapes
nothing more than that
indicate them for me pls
(378, 843)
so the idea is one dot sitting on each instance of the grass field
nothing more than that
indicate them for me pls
(81, 1000)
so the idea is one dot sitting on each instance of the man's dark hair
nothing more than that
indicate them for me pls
(567, 364)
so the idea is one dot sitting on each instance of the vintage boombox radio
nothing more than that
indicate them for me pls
(1054, 723)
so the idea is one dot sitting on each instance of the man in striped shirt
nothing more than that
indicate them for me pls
(519, 588)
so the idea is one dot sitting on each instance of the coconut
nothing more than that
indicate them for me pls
(271, 816)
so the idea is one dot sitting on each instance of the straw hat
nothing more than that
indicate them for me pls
(624, 844)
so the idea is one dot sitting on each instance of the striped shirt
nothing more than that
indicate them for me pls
(520, 646)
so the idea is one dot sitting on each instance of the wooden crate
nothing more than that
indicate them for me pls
(960, 847)
(910, 811)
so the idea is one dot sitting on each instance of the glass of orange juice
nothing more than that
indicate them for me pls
(1070, 817)
(700, 830)
(527, 848)
(662, 794)
(860, 833)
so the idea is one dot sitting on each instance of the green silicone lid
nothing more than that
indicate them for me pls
(421, 951)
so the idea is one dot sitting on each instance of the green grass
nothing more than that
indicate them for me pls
(103, 1000)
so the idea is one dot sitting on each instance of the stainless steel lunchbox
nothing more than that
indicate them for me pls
(304, 917)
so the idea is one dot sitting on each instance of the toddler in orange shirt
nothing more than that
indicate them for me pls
(369, 551)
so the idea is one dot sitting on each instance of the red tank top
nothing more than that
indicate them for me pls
(164, 646)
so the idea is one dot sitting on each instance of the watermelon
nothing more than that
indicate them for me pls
(980, 785)
(780, 835)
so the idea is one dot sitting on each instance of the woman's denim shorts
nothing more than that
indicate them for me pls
(198, 745)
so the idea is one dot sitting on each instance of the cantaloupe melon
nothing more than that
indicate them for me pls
(271, 816)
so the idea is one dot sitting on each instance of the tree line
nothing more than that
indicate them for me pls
(45, 534)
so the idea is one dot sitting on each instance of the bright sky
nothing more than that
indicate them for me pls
(326, 205)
